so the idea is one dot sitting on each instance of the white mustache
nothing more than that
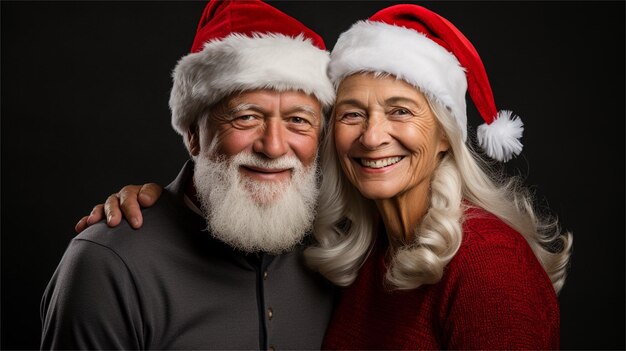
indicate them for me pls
(284, 162)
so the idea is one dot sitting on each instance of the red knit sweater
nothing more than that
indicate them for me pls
(494, 294)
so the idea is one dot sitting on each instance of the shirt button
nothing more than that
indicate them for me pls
(270, 313)
(265, 275)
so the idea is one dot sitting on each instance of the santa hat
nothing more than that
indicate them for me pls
(426, 50)
(245, 45)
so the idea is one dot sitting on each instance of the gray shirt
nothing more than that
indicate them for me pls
(170, 285)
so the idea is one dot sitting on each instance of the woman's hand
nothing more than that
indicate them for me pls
(128, 201)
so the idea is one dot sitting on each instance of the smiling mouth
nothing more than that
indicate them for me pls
(380, 163)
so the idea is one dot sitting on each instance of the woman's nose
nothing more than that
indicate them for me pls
(375, 134)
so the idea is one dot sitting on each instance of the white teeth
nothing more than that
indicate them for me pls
(384, 162)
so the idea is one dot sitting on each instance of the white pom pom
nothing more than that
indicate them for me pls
(500, 139)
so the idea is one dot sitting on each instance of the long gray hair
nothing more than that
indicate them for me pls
(345, 227)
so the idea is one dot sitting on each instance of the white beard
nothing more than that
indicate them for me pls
(252, 215)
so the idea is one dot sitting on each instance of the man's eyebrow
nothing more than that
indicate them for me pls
(304, 108)
(247, 106)
(244, 106)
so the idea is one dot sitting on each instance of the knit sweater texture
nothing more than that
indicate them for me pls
(494, 294)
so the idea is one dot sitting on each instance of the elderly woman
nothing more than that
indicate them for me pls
(433, 248)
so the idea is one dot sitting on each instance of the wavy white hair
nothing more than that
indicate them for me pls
(345, 227)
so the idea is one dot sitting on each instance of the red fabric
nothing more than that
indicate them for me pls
(222, 18)
(444, 33)
(494, 295)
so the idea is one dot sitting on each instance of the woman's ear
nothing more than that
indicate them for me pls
(193, 139)
(444, 143)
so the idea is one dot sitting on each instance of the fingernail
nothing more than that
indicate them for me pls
(134, 222)
(80, 223)
(144, 197)
(109, 218)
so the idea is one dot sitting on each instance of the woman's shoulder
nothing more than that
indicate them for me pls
(484, 229)
(492, 249)
(496, 290)
(494, 253)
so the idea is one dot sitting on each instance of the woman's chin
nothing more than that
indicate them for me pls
(377, 193)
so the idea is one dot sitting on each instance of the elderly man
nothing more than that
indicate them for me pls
(248, 101)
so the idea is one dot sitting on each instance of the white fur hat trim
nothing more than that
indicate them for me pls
(238, 63)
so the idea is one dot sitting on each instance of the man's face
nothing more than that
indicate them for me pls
(255, 172)
(266, 123)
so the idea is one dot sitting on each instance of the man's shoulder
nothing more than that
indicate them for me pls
(161, 223)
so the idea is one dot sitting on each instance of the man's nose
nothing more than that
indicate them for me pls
(272, 142)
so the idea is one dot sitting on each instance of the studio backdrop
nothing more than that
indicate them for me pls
(85, 87)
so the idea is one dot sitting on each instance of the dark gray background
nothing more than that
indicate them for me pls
(84, 111)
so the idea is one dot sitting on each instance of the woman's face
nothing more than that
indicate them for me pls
(387, 138)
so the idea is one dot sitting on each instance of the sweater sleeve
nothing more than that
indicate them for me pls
(91, 302)
(497, 296)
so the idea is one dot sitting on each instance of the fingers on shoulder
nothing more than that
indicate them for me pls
(149, 194)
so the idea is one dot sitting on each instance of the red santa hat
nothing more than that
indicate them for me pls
(426, 50)
(245, 45)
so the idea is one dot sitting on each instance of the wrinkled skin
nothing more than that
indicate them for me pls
(268, 123)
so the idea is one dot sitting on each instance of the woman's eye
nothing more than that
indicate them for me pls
(350, 115)
(401, 112)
